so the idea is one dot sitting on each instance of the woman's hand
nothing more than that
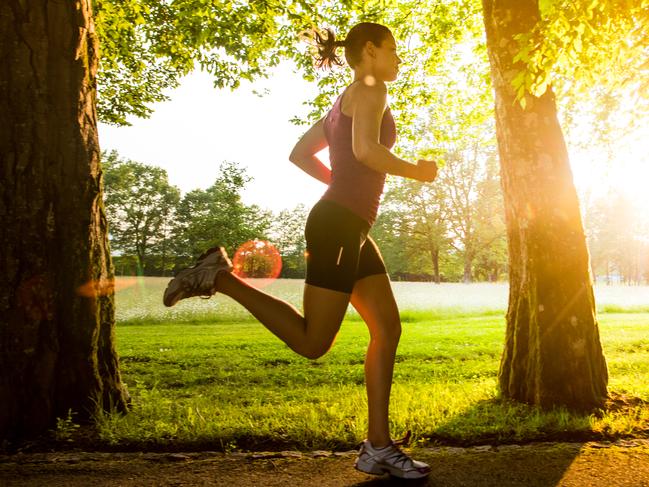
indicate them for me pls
(426, 170)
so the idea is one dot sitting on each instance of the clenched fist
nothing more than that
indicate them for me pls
(427, 170)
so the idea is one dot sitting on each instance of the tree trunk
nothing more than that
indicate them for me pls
(57, 349)
(434, 255)
(468, 266)
(552, 354)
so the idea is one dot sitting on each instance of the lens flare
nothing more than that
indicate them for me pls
(104, 287)
(259, 260)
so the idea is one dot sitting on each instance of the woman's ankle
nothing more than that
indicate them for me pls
(380, 442)
(221, 281)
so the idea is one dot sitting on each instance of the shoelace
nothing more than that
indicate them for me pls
(403, 441)
(395, 456)
(394, 453)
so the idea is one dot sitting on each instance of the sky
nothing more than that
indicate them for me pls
(201, 126)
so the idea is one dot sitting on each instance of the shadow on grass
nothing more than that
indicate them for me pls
(498, 421)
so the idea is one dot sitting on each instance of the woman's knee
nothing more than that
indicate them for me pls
(388, 333)
(316, 348)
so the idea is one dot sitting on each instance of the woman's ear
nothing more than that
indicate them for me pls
(370, 48)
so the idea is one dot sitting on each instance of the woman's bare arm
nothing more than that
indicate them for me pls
(304, 153)
(366, 129)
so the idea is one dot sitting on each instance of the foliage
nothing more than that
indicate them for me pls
(287, 232)
(458, 219)
(140, 205)
(217, 216)
(442, 101)
(580, 45)
(148, 45)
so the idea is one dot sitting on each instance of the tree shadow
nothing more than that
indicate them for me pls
(533, 465)
(493, 456)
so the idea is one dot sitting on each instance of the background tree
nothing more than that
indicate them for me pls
(412, 230)
(140, 206)
(553, 354)
(217, 216)
(490, 228)
(287, 233)
(457, 129)
(57, 350)
(618, 236)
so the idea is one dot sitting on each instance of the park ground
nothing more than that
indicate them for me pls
(217, 400)
(610, 464)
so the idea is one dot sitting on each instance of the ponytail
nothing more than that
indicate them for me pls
(325, 43)
(326, 57)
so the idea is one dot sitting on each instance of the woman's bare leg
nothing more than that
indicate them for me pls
(373, 299)
(310, 335)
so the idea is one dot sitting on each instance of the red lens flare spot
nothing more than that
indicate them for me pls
(259, 260)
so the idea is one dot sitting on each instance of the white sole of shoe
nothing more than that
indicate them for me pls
(375, 469)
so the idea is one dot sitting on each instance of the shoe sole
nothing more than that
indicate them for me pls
(169, 298)
(375, 469)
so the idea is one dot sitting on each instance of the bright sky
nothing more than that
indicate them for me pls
(201, 126)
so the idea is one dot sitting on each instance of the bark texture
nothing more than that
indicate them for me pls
(552, 354)
(56, 304)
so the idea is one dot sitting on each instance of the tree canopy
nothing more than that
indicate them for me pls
(147, 46)
(585, 45)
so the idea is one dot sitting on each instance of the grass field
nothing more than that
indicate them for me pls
(205, 374)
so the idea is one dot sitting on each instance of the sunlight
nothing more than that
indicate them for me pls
(621, 167)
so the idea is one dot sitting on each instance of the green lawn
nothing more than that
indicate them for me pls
(205, 374)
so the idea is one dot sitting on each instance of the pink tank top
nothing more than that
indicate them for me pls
(353, 184)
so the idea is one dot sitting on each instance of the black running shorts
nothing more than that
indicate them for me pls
(339, 251)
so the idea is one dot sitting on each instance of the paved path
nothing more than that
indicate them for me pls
(624, 463)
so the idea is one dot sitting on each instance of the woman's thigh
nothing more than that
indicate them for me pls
(334, 236)
(374, 300)
(324, 311)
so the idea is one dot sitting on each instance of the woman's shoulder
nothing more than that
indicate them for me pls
(362, 92)
(373, 90)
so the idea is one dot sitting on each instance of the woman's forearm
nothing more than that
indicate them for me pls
(313, 166)
(379, 158)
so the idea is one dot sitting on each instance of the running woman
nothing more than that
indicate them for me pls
(343, 263)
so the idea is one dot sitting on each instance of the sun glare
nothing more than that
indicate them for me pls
(621, 167)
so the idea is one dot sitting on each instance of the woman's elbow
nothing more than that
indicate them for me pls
(294, 156)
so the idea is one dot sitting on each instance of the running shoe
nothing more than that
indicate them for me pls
(200, 279)
(389, 459)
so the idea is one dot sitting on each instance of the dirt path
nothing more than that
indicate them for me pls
(624, 463)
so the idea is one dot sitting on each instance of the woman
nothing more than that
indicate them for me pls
(343, 263)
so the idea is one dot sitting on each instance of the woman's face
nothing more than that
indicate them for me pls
(386, 60)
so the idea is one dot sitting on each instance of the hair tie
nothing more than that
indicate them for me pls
(342, 43)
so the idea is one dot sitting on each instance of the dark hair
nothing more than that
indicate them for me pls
(356, 39)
